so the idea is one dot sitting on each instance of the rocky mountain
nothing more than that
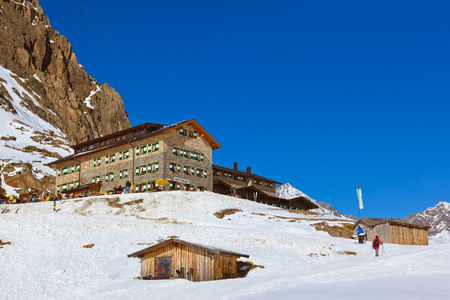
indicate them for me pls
(47, 99)
(438, 217)
(287, 191)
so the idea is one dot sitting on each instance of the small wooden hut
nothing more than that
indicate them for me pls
(174, 258)
(395, 231)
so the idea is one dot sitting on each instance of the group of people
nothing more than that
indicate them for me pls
(120, 189)
(33, 199)
(375, 243)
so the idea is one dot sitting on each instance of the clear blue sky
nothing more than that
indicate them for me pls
(319, 94)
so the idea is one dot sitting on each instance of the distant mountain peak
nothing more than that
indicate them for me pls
(438, 217)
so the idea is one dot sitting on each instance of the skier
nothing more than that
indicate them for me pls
(376, 245)
(361, 235)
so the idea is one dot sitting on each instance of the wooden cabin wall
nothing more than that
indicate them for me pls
(206, 265)
(383, 233)
(408, 236)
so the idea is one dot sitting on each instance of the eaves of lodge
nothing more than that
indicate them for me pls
(180, 153)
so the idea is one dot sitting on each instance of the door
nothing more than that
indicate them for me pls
(163, 267)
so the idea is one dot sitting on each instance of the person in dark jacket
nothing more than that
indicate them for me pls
(376, 245)
(360, 234)
(127, 187)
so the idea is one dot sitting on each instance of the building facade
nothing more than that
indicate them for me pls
(247, 185)
(180, 153)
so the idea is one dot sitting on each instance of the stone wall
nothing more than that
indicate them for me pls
(139, 160)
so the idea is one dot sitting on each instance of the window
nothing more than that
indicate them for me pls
(78, 167)
(109, 177)
(90, 147)
(59, 172)
(155, 146)
(187, 170)
(123, 174)
(176, 151)
(127, 153)
(153, 167)
(173, 167)
(97, 162)
(201, 173)
(182, 131)
(191, 133)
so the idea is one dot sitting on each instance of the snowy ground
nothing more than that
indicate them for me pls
(46, 258)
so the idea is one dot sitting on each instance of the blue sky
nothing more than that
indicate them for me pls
(319, 94)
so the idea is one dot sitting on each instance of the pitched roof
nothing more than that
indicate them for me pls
(159, 129)
(207, 248)
(372, 222)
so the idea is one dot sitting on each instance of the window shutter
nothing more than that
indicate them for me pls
(57, 189)
(113, 157)
(112, 176)
(192, 171)
(137, 151)
(204, 173)
(201, 157)
(126, 173)
(181, 130)
(93, 179)
(174, 151)
(144, 149)
(120, 175)
(157, 166)
(59, 172)
(98, 179)
(127, 153)
(106, 177)
(144, 187)
(137, 170)
(107, 159)
(178, 168)
(184, 170)
(157, 146)
(195, 134)
(120, 155)
(95, 162)
(99, 161)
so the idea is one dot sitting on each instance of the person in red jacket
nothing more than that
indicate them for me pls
(376, 245)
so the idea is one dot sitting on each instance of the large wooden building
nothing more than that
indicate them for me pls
(250, 186)
(395, 231)
(175, 258)
(180, 153)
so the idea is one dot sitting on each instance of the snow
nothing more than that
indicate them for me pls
(24, 126)
(87, 101)
(36, 77)
(46, 258)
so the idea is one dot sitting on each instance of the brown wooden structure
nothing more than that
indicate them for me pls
(395, 231)
(247, 185)
(175, 258)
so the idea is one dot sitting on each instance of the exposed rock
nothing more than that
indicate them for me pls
(55, 88)
(437, 217)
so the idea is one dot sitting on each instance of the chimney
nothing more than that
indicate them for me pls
(235, 166)
(249, 170)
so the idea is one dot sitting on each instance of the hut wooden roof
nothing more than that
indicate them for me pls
(372, 222)
(207, 248)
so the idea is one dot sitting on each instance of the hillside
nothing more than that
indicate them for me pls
(438, 217)
(47, 100)
(46, 257)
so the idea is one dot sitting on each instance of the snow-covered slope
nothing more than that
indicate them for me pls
(438, 217)
(24, 136)
(46, 258)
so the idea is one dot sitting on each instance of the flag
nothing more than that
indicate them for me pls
(358, 191)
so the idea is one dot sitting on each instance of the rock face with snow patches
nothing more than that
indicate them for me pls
(47, 99)
(437, 217)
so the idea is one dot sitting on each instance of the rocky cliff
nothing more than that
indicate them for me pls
(47, 99)
(438, 217)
